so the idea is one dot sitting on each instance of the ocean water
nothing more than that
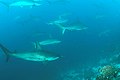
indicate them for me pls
(20, 26)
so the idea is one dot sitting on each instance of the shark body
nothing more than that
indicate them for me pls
(49, 41)
(35, 56)
(24, 3)
(71, 28)
(21, 4)
(60, 21)
(39, 55)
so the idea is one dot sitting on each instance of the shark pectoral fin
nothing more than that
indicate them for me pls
(7, 58)
(15, 51)
(35, 4)
(31, 6)
(50, 36)
(34, 44)
(45, 62)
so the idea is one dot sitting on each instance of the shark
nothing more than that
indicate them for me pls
(70, 28)
(60, 20)
(37, 44)
(21, 3)
(25, 3)
(38, 55)
(104, 33)
(49, 41)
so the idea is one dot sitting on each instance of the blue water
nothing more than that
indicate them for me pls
(78, 48)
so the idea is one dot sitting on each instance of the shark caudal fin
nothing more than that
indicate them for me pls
(6, 51)
(37, 46)
(61, 27)
(63, 31)
(5, 4)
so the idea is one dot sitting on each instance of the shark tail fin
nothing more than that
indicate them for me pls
(63, 30)
(61, 27)
(6, 51)
(37, 46)
(5, 4)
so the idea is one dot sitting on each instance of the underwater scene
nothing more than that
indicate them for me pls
(59, 39)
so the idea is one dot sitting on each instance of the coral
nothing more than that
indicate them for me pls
(107, 72)
(71, 75)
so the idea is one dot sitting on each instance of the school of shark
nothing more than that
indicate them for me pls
(38, 28)
(61, 23)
